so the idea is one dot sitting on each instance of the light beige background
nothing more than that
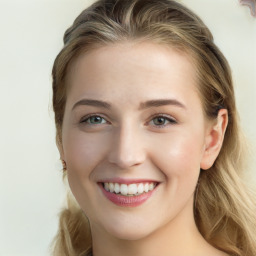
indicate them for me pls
(31, 189)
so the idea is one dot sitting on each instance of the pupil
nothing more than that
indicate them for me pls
(159, 120)
(95, 119)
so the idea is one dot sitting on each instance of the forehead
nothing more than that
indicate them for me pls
(145, 69)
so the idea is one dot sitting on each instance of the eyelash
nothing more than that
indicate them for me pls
(86, 118)
(169, 119)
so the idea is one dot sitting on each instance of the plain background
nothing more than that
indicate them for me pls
(31, 31)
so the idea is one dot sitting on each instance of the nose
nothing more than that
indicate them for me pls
(127, 149)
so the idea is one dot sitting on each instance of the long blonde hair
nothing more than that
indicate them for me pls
(225, 210)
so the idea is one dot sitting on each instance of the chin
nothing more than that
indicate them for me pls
(128, 234)
(127, 230)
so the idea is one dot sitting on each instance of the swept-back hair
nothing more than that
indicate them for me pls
(224, 207)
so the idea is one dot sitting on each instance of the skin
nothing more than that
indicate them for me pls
(128, 142)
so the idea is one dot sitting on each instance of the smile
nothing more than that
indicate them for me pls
(129, 190)
(128, 195)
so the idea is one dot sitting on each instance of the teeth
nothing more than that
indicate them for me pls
(111, 187)
(146, 187)
(124, 189)
(117, 188)
(140, 188)
(131, 189)
(106, 186)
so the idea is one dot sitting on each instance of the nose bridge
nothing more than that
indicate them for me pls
(127, 147)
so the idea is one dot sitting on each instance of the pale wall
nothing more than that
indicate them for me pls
(31, 190)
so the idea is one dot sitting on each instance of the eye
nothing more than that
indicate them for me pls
(162, 121)
(93, 120)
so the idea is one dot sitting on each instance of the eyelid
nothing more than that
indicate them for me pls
(86, 117)
(172, 120)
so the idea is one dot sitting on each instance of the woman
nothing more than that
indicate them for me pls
(148, 134)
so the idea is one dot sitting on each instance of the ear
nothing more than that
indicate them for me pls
(60, 148)
(62, 156)
(214, 139)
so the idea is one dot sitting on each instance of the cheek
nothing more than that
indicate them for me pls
(83, 152)
(179, 155)
(179, 161)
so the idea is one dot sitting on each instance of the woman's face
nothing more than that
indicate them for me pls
(133, 117)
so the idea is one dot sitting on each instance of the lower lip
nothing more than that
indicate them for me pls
(127, 201)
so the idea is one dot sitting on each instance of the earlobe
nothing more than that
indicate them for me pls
(214, 139)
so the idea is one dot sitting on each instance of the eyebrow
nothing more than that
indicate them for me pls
(161, 102)
(143, 105)
(94, 103)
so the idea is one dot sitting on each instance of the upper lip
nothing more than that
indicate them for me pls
(127, 181)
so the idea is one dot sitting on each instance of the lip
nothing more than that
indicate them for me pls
(127, 201)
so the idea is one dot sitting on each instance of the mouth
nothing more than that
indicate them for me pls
(134, 189)
(131, 195)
